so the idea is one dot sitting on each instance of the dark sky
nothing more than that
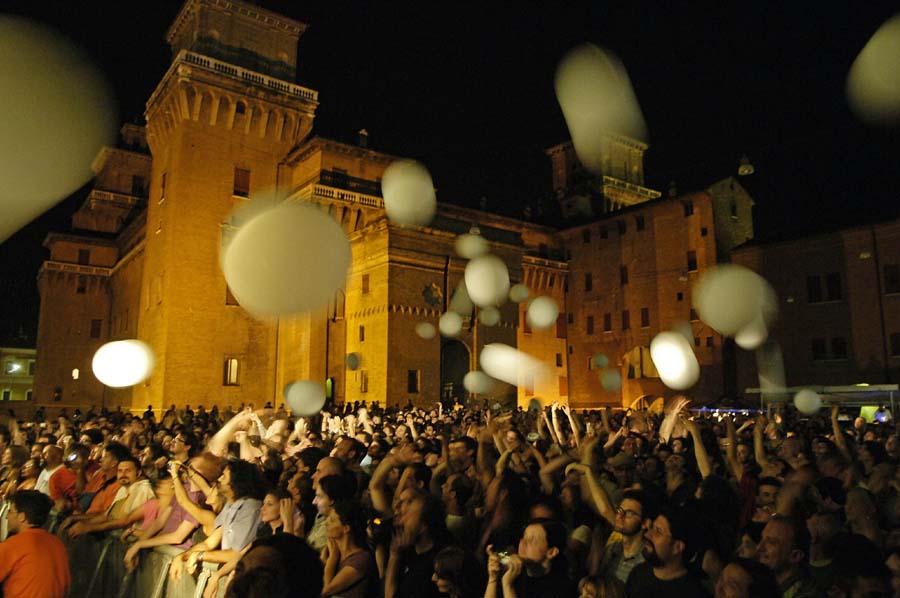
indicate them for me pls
(467, 88)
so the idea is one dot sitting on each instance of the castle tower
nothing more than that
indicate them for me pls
(219, 124)
(620, 183)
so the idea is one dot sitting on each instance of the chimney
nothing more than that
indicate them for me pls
(363, 138)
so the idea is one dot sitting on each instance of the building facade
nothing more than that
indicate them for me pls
(17, 376)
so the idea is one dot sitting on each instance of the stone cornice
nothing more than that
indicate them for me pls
(82, 240)
(324, 144)
(251, 11)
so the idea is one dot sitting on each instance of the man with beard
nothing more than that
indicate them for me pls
(668, 548)
(624, 550)
(134, 491)
(537, 569)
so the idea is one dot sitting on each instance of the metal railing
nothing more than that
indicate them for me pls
(248, 75)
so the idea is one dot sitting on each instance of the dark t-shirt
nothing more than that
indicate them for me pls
(643, 583)
(415, 574)
(554, 584)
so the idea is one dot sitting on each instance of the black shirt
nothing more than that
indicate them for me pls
(643, 583)
(554, 584)
(415, 574)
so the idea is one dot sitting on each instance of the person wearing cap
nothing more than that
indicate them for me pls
(668, 550)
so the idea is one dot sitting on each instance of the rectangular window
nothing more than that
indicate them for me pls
(626, 320)
(688, 208)
(895, 344)
(588, 282)
(694, 317)
(704, 231)
(589, 328)
(607, 322)
(363, 381)
(586, 235)
(833, 287)
(696, 341)
(526, 327)
(839, 348)
(412, 381)
(362, 333)
(162, 186)
(96, 326)
(645, 317)
(231, 374)
(570, 318)
(560, 326)
(571, 349)
(81, 287)
(7, 393)
(365, 283)
(28, 394)
(692, 261)
(892, 278)
(138, 186)
(604, 234)
(84, 256)
(230, 299)
(559, 360)
(819, 349)
(551, 281)
(623, 228)
(709, 341)
(639, 223)
(241, 182)
(813, 289)
(623, 274)
(679, 296)
(31, 368)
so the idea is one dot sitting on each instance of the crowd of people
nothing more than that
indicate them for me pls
(362, 501)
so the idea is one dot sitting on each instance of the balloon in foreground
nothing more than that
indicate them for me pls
(450, 324)
(353, 361)
(770, 367)
(489, 316)
(684, 328)
(408, 193)
(287, 260)
(471, 245)
(518, 293)
(674, 360)
(599, 361)
(542, 313)
(305, 397)
(478, 382)
(460, 301)
(873, 83)
(611, 380)
(512, 366)
(487, 280)
(123, 363)
(731, 297)
(596, 97)
(807, 402)
(56, 113)
(426, 330)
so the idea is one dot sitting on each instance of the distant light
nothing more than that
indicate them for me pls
(13, 368)
(75, 374)
(863, 384)
(745, 167)
(865, 255)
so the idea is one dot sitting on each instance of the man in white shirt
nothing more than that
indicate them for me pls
(134, 491)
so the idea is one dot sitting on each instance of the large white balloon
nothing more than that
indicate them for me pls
(674, 360)
(487, 280)
(287, 260)
(489, 316)
(123, 363)
(450, 324)
(471, 246)
(478, 382)
(426, 330)
(408, 193)
(512, 366)
(518, 293)
(753, 335)
(730, 297)
(596, 97)
(807, 401)
(304, 397)
(542, 313)
(56, 113)
(873, 83)
(460, 301)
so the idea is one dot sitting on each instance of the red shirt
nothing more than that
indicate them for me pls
(62, 484)
(34, 563)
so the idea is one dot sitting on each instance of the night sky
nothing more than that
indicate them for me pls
(467, 88)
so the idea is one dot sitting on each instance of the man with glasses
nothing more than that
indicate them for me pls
(623, 553)
(183, 445)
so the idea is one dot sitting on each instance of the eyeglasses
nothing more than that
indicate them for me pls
(620, 512)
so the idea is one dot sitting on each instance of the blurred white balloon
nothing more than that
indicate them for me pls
(489, 316)
(471, 245)
(487, 280)
(518, 293)
(684, 328)
(542, 313)
(807, 401)
(287, 260)
(599, 361)
(426, 330)
(304, 397)
(512, 366)
(450, 324)
(478, 382)
(596, 98)
(460, 302)
(408, 193)
(353, 361)
(56, 113)
(873, 83)
(123, 363)
(770, 369)
(611, 380)
(753, 335)
(674, 360)
(731, 297)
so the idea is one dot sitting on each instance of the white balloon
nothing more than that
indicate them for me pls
(770, 368)
(753, 335)
(489, 316)
(542, 313)
(596, 97)
(123, 363)
(512, 366)
(674, 360)
(873, 83)
(684, 328)
(426, 330)
(287, 260)
(471, 246)
(730, 297)
(611, 380)
(807, 402)
(518, 293)
(305, 397)
(478, 382)
(408, 193)
(600, 361)
(460, 302)
(56, 114)
(487, 280)
(450, 324)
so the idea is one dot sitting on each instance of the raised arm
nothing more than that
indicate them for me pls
(839, 439)
(759, 452)
(737, 470)
(602, 503)
(700, 453)
(549, 470)
(218, 444)
(576, 433)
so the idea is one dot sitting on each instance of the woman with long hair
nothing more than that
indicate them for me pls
(350, 569)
